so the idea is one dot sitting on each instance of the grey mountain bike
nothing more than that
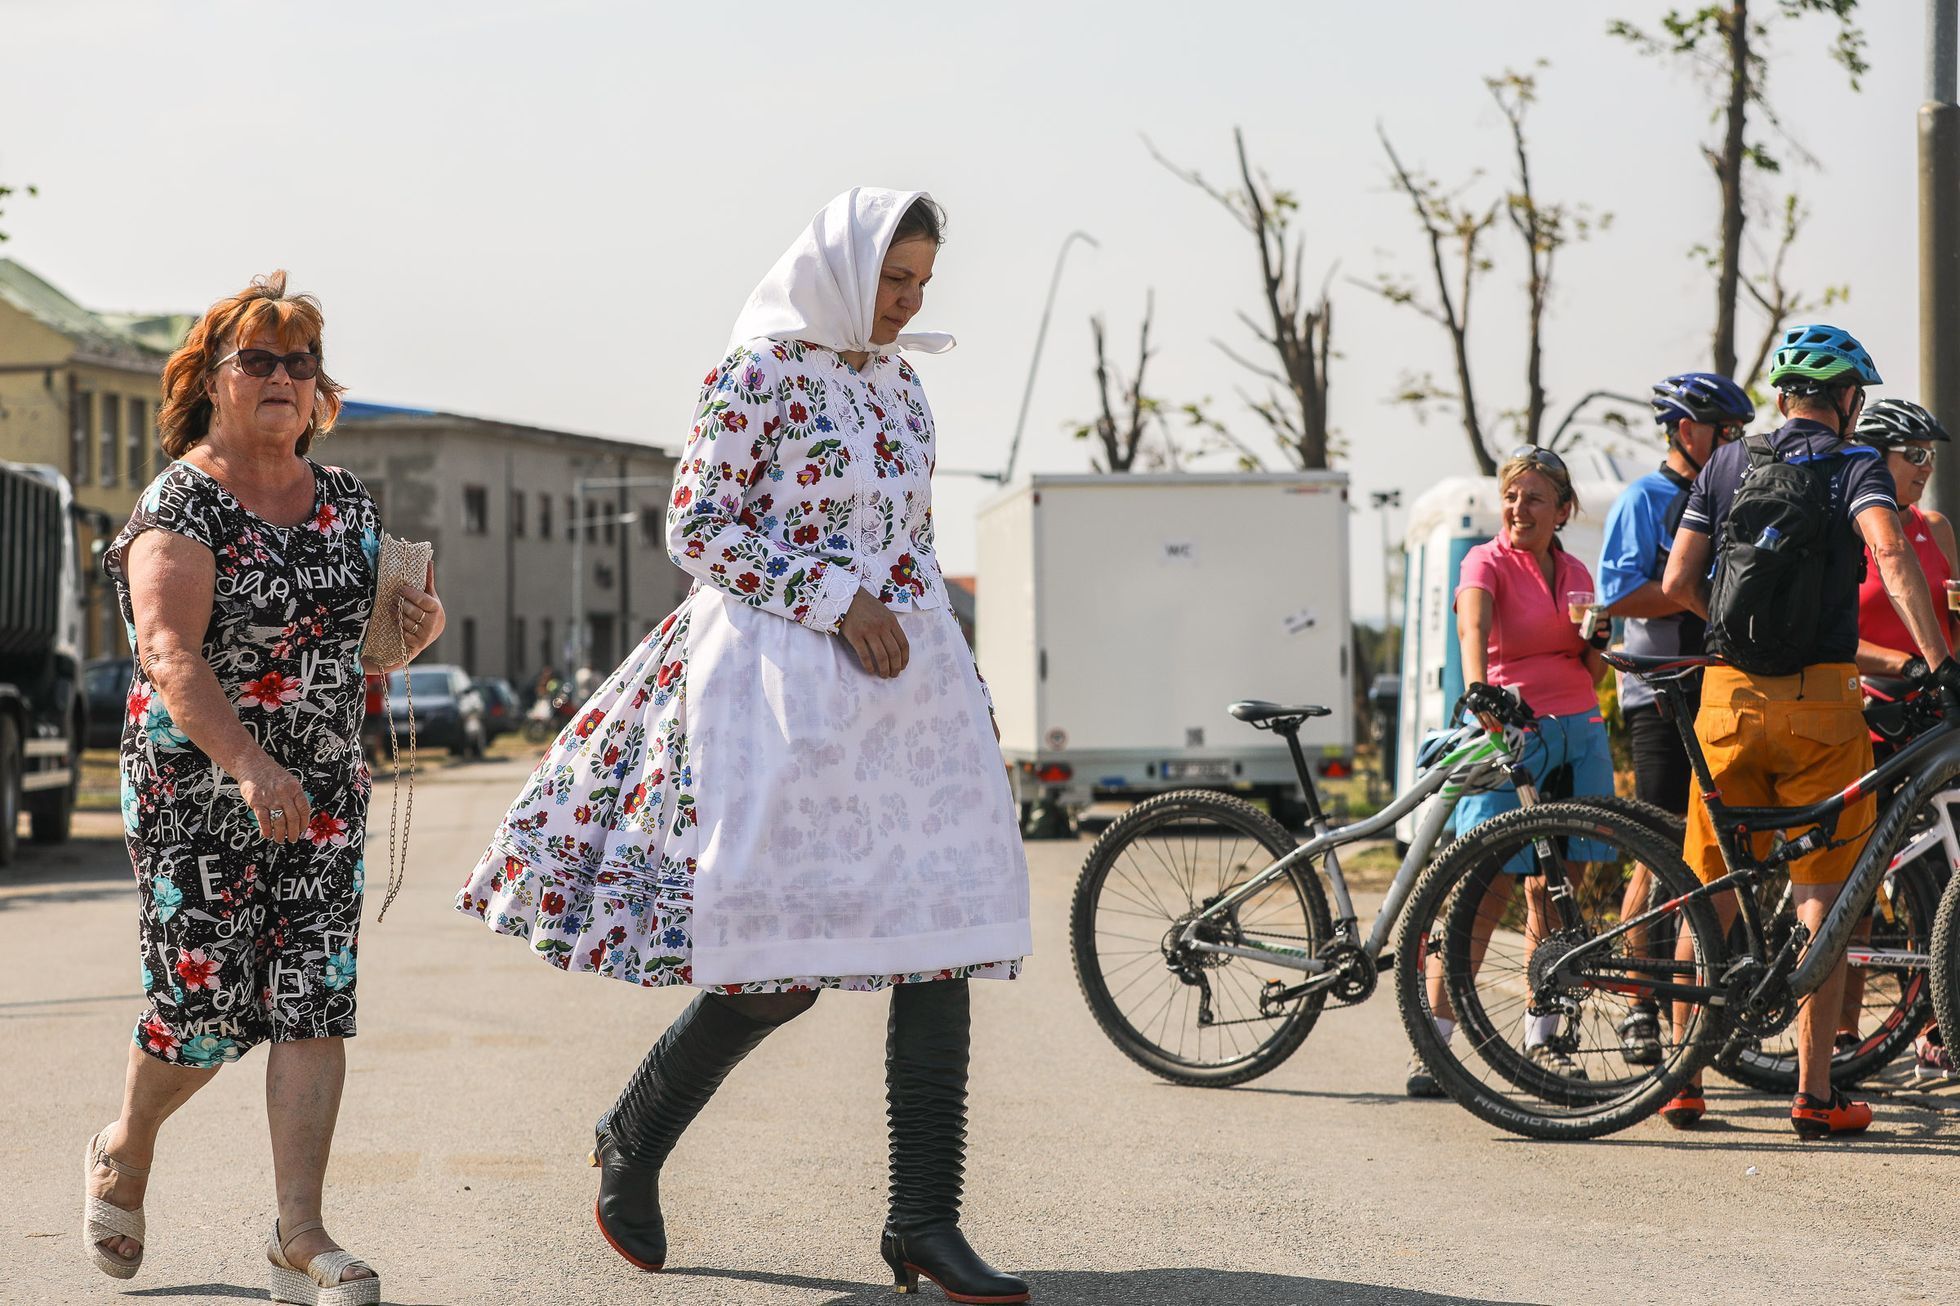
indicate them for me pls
(1202, 938)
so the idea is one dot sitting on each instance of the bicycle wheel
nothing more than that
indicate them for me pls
(1895, 1003)
(1467, 948)
(1946, 964)
(1194, 1018)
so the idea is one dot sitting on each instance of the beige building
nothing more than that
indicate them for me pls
(79, 391)
(498, 501)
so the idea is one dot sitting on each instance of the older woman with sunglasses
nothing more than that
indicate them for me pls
(1910, 437)
(1516, 599)
(247, 578)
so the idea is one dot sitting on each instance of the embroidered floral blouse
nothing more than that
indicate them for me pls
(804, 481)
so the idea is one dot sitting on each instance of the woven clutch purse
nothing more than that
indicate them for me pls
(402, 565)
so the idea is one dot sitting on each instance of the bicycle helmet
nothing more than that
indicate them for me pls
(1701, 397)
(1819, 357)
(1897, 421)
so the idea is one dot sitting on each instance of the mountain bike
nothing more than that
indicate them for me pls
(1589, 960)
(1201, 936)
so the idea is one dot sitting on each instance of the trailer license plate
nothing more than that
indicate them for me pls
(1197, 770)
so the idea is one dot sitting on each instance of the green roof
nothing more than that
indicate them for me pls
(139, 339)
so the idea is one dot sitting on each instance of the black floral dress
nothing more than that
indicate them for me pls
(244, 940)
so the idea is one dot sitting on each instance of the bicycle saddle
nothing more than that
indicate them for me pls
(1258, 712)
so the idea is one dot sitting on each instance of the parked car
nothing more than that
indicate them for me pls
(449, 712)
(501, 712)
(105, 681)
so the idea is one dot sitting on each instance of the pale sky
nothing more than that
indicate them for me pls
(551, 213)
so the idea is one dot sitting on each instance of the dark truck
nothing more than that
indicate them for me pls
(43, 710)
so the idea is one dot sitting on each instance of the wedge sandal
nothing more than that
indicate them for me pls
(319, 1284)
(102, 1218)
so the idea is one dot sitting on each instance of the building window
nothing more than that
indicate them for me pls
(78, 441)
(544, 516)
(517, 512)
(111, 438)
(139, 441)
(469, 645)
(591, 520)
(547, 656)
(612, 521)
(650, 531)
(476, 510)
(516, 669)
(571, 518)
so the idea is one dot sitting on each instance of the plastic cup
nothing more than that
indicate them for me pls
(1578, 607)
(1953, 596)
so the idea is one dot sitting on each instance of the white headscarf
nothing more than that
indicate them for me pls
(824, 288)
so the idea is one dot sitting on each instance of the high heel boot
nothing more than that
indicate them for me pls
(926, 1054)
(631, 1142)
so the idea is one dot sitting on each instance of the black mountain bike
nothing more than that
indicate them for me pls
(1465, 941)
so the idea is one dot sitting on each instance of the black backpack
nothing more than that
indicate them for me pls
(1772, 564)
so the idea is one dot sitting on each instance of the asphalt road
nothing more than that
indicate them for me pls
(459, 1168)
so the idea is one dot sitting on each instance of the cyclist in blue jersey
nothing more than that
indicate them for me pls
(1700, 411)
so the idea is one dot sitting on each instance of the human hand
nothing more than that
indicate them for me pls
(874, 635)
(276, 799)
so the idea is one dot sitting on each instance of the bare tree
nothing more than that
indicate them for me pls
(1453, 233)
(1455, 230)
(1727, 48)
(8, 192)
(1126, 418)
(1298, 331)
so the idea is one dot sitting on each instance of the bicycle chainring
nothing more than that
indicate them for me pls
(1355, 971)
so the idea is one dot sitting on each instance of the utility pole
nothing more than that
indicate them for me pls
(1939, 242)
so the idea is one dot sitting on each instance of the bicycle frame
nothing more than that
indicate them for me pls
(1925, 756)
(1473, 757)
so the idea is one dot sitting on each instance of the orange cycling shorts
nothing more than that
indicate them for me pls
(1783, 741)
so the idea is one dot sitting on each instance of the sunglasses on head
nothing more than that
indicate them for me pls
(260, 362)
(1728, 432)
(1916, 456)
(1544, 457)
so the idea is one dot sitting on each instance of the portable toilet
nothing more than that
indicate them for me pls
(1445, 523)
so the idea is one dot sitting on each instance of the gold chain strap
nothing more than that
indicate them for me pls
(397, 870)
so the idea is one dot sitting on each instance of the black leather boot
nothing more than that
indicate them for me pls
(632, 1141)
(926, 1052)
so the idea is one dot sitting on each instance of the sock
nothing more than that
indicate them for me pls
(1445, 1028)
(1539, 1029)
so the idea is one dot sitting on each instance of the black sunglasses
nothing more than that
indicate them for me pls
(1728, 432)
(260, 362)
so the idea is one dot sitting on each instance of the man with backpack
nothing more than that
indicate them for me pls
(1786, 519)
(1700, 412)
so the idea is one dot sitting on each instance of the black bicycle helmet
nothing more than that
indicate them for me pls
(1898, 421)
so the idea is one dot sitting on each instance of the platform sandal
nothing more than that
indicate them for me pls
(102, 1218)
(319, 1284)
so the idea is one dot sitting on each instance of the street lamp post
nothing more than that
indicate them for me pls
(1040, 337)
(1382, 501)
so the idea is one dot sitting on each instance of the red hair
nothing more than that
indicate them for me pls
(295, 321)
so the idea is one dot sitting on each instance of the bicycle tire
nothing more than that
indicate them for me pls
(1945, 976)
(1189, 809)
(1466, 866)
(1913, 889)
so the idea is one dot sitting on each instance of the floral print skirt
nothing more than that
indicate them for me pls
(645, 823)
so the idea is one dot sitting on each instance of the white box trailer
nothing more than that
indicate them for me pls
(1451, 518)
(1119, 615)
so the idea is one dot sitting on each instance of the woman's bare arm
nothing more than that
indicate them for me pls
(170, 594)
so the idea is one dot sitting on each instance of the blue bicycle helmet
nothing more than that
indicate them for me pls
(1701, 397)
(1898, 421)
(1819, 357)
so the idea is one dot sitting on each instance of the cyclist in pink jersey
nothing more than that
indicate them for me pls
(1908, 434)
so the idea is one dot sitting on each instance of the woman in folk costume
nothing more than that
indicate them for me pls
(791, 785)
